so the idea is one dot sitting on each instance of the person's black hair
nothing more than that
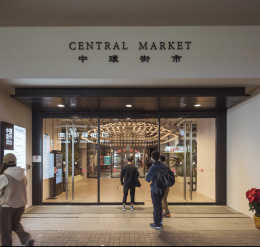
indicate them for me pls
(130, 158)
(155, 155)
(149, 165)
(162, 158)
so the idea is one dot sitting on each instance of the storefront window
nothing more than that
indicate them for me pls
(70, 151)
(190, 152)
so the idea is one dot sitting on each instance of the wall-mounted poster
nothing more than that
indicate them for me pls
(58, 168)
(172, 149)
(13, 140)
(107, 160)
(48, 158)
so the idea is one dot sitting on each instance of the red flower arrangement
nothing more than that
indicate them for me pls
(253, 197)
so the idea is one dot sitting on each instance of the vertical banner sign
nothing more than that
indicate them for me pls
(8, 136)
(58, 168)
(13, 140)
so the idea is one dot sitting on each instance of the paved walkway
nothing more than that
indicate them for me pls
(109, 226)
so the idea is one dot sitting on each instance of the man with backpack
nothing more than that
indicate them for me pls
(161, 178)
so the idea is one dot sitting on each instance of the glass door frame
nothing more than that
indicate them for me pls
(221, 147)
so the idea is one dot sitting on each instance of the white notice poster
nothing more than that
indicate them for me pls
(19, 151)
(48, 158)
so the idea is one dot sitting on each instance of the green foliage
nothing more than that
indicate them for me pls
(178, 162)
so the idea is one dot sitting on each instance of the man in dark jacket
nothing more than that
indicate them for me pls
(156, 193)
(128, 177)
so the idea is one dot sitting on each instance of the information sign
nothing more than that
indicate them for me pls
(48, 158)
(14, 140)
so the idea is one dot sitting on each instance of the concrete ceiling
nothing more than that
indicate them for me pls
(129, 12)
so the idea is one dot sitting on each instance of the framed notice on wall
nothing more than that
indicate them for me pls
(48, 158)
(13, 140)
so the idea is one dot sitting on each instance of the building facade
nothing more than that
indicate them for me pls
(91, 96)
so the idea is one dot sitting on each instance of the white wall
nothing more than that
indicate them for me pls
(206, 157)
(13, 112)
(43, 52)
(243, 152)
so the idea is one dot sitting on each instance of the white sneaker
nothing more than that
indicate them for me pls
(123, 208)
(132, 208)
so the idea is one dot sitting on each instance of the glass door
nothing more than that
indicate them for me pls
(190, 152)
(189, 148)
(119, 140)
(74, 180)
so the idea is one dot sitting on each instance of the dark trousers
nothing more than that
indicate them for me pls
(132, 193)
(10, 221)
(157, 207)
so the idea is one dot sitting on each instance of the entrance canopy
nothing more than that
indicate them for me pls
(129, 100)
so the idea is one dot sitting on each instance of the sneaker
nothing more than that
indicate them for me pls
(167, 215)
(155, 227)
(29, 242)
(123, 208)
(132, 208)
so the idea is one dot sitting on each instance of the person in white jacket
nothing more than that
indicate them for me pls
(13, 199)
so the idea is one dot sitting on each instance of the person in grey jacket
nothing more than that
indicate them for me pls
(13, 199)
(157, 194)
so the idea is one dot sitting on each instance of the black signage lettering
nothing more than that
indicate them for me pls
(171, 45)
(81, 46)
(145, 59)
(83, 58)
(153, 47)
(180, 47)
(107, 46)
(113, 59)
(89, 45)
(116, 46)
(124, 48)
(176, 58)
(99, 45)
(72, 46)
(162, 46)
(143, 46)
(188, 44)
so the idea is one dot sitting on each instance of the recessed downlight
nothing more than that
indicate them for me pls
(128, 105)
(61, 106)
(197, 105)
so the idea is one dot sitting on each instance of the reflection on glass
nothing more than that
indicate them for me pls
(120, 139)
(190, 153)
(79, 177)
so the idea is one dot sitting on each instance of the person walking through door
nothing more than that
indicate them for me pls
(12, 202)
(128, 180)
(165, 206)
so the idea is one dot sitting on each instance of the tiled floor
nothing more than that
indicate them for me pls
(109, 226)
(112, 191)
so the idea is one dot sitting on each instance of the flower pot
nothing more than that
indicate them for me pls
(257, 222)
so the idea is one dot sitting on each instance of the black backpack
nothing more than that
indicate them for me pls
(164, 180)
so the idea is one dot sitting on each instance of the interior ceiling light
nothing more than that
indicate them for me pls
(129, 106)
(130, 132)
(61, 106)
(197, 105)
